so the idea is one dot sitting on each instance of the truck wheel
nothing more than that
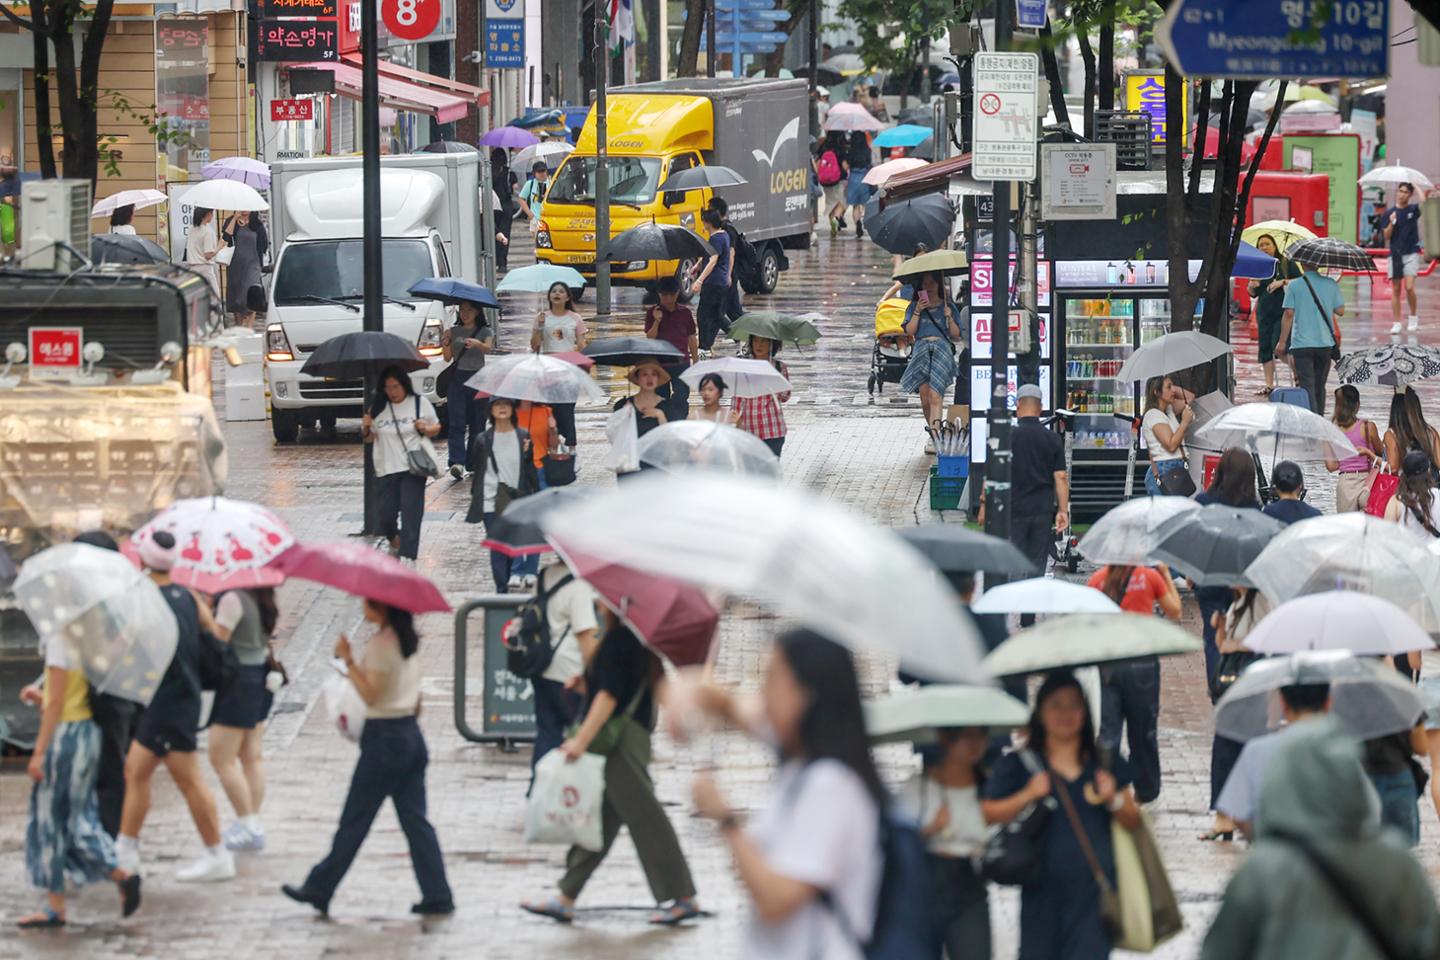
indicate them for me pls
(767, 272)
(685, 267)
(285, 426)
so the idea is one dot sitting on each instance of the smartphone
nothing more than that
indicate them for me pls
(924, 298)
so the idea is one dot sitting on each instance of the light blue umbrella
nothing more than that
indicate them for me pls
(1253, 264)
(905, 135)
(540, 277)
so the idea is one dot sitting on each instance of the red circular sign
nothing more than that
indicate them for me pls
(989, 104)
(410, 19)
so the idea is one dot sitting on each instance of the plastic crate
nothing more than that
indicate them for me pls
(950, 467)
(945, 492)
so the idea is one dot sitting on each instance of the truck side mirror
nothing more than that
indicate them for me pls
(674, 197)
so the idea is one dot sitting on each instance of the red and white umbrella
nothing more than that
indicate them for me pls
(364, 572)
(220, 544)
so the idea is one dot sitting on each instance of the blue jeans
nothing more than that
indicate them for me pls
(1130, 697)
(467, 416)
(1157, 468)
(555, 709)
(1398, 797)
(502, 568)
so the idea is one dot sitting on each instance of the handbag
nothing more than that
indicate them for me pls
(1381, 490)
(1177, 483)
(504, 493)
(559, 471)
(418, 459)
(608, 737)
(1228, 670)
(1111, 917)
(1014, 854)
(223, 256)
(1149, 911)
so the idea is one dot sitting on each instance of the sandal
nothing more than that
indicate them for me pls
(678, 912)
(1222, 836)
(1264, 391)
(46, 919)
(129, 894)
(554, 908)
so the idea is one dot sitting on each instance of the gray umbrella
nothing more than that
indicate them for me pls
(125, 248)
(956, 549)
(700, 177)
(1369, 697)
(925, 150)
(1214, 545)
(354, 355)
(905, 224)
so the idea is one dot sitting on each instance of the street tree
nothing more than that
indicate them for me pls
(893, 33)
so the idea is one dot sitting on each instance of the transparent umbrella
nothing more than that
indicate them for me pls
(1283, 430)
(919, 714)
(698, 445)
(1172, 352)
(743, 378)
(537, 378)
(1368, 696)
(1338, 620)
(817, 562)
(1086, 639)
(1352, 552)
(1044, 595)
(1126, 534)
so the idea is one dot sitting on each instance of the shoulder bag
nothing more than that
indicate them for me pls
(1149, 911)
(1178, 483)
(1338, 885)
(1328, 315)
(1110, 912)
(608, 737)
(1382, 488)
(418, 459)
(1015, 853)
(504, 493)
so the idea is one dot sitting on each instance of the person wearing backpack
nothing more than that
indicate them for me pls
(562, 631)
(1060, 905)
(745, 261)
(830, 171)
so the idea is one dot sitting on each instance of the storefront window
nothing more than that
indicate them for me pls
(182, 95)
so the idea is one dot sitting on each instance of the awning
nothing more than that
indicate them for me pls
(481, 98)
(934, 178)
(396, 93)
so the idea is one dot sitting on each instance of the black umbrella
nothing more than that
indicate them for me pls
(905, 224)
(516, 532)
(628, 351)
(920, 116)
(659, 241)
(957, 549)
(447, 146)
(124, 248)
(925, 149)
(1214, 545)
(1329, 253)
(353, 355)
(704, 176)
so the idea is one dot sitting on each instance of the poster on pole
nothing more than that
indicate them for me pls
(180, 213)
(1078, 181)
(1006, 116)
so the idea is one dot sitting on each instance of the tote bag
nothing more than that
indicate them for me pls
(1149, 912)
(1382, 488)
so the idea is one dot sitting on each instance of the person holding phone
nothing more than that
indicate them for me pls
(933, 322)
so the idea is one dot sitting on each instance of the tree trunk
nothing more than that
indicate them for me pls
(1106, 68)
(1183, 293)
(90, 51)
(1052, 74)
(44, 131)
(76, 157)
(1087, 57)
(688, 63)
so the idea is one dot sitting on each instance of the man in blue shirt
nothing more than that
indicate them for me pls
(1289, 484)
(1402, 231)
(713, 284)
(1312, 305)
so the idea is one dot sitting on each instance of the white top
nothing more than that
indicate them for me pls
(124, 229)
(721, 415)
(1152, 442)
(399, 677)
(558, 333)
(921, 798)
(229, 611)
(506, 454)
(823, 831)
(201, 241)
(57, 653)
(390, 448)
(571, 611)
(1407, 518)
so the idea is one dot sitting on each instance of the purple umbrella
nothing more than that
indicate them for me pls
(509, 137)
(246, 170)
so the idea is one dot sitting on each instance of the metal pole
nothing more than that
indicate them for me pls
(487, 220)
(997, 465)
(373, 316)
(925, 70)
(602, 176)
(709, 38)
(814, 67)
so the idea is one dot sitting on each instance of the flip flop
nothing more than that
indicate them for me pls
(554, 908)
(47, 919)
(676, 913)
(129, 894)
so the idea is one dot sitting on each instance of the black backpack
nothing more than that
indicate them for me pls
(747, 260)
(529, 647)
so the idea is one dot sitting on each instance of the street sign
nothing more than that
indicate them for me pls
(292, 109)
(727, 38)
(410, 19)
(1246, 40)
(297, 41)
(55, 352)
(1006, 116)
(725, 6)
(1030, 14)
(1078, 181)
(505, 43)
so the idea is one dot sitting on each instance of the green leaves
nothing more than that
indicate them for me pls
(881, 23)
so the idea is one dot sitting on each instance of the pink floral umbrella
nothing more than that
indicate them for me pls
(220, 544)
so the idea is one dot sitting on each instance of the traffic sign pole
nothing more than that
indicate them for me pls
(997, 460)
(374, 317)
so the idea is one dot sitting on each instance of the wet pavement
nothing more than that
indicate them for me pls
(866, 455)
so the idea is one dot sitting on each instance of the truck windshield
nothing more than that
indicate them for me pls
(632, 180)
(333, 269)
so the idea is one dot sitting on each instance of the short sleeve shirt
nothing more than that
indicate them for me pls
(621, 666)
(1290, 511)
(76, 695)
(1311, 328)
(560, 334)
(391, 447)
(398, 676)
(1153, 418)
(720, 276)
(1241, 794)
(570, 611)
(1405, 238)
(1144, 590)
(1038, 454)
(676, 326)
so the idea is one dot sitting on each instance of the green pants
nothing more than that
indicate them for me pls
(630, 800)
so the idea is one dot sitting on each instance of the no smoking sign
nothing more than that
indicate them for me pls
(990, 104)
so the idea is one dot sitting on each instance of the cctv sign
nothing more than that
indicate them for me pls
(55, 352)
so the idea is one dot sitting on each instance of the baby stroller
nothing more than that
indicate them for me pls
(892, 345)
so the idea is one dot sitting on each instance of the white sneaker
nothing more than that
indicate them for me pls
(1414, 324)
(531, 581)
(242, 838)
(516, 582)
(1394, 328)
(210, 868)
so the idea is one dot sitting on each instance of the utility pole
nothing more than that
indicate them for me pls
(997, 459)
(1028, 281)
(371, 260)
(814, 54)
(602, 151)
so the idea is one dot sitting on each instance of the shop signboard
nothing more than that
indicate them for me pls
(1337, 155)
(292, 108)
(181, 40)
(298, 41)
(980, 403)
(410, 19)
(307, 9)
(55, 352)
(982, 281)
(1117, 273)
(1145, 93)
(505, 43)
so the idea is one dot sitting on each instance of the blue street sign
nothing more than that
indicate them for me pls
(748, 46)
(1030, 14)
(725, 6)
(1242, 39)
(504, 43)
(723, 36)
(758, 19)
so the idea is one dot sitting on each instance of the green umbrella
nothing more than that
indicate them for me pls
(774, 326)
(1085, 639)
(916, 715)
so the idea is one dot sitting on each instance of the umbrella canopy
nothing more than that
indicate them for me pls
(351, 356)
(1394, 175)
(904, 135)
(659, 241)
(905, 224)
(246, 170)
(1285, 233)
(844, 63)
(1338, 620)
(850, 117)
(628, 351)
(535, 377)
(220, 544)
(920, 714)
(575, 357)
(703, 177)
(1215, 544)
(944, 262)
(516, 532)
(509, 138)
(1330, 253)
(1312, 107)
(108, 613)
(139, 199)
(364, 572)
(552, 152)
(1044, 595)
(452, 291)
(1367, 696)
(743, 378)
(539, 278)
(878, 174)
(126, 248)
(1284, 430)
(1391, 364)
(1086, 639)
(819, 563)
(925, 151)
(1172, 352)
(955, 548)
(1125, 535)
(673, 618)
(774, 326)
(225, 195)
(700, 445)
(1252, 264)
(447, 146)
(1353, 552)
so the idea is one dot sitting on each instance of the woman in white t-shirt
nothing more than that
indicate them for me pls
(504, 470)
(1416, 504)
(570, 613)
(819, 833)
(1166, 421)
(558, 329)
(398, 421)
(202, 243)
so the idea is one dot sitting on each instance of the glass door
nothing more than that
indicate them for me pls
(1099, 336)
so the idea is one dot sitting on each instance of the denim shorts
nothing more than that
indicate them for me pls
(1430, 693)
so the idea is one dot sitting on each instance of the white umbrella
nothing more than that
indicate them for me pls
(225, 195)
(857, 583)
(884, 171)
(743, 378)
(697, 444)
(917, 715)
(246, 170)
(139, 199)
(1393, 175)
(1044, 595)
(220, 544)
(1312, 106)
(551, 151)
(1172, 352)
(1352, 552)
(537, 378)
(1338, 620)
(1087, 639)
(1284, 430)
(851, 117)
(1367, 696)
(1125, 535)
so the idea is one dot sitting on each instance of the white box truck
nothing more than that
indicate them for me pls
(430, 227)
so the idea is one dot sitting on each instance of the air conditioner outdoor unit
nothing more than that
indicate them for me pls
(53, 211)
